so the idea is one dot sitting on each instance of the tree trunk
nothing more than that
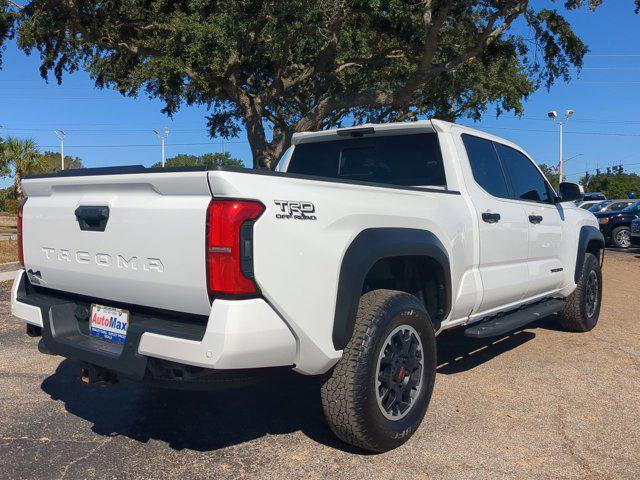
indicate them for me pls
(17, 182)
(266, 154)
(252, 112)
(276, 148)
(258, 143)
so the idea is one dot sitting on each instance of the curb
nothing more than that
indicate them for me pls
(4, 276)
(9, 267)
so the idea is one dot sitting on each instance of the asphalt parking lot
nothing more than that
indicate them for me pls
(539, 403)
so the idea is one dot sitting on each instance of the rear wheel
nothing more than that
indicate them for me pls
(621, 238)
(378, 393)
(582, 309)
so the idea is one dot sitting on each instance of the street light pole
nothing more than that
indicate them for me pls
(554, 116)
(162, 141)
(162, 137)
(561, 168)
(61, 134)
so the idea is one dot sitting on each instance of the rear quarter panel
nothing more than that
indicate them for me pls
(297, 262)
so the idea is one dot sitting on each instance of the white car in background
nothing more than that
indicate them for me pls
(587, 204)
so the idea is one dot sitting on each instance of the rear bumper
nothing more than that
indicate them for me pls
(239, 334)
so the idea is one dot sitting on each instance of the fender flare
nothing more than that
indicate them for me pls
(588, 233)
(365, 250)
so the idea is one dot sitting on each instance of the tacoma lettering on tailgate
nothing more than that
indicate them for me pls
(122, 262)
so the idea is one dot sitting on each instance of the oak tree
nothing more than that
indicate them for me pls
(274, 67)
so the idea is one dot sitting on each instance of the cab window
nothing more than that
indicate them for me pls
(403, 160)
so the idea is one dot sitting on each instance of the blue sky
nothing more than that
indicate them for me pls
(105, 128)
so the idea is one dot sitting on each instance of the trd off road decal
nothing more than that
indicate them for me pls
(295, 210)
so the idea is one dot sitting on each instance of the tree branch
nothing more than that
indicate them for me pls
(432, 30)
(488, 35)
(327, 55)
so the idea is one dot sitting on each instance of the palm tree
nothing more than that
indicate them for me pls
(21, 156)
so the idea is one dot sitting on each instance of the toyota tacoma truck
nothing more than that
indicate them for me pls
(345, 263)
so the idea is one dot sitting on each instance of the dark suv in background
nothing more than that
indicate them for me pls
(615, 225)
(635, 232)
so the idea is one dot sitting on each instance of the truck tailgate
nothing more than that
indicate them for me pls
(151, 251)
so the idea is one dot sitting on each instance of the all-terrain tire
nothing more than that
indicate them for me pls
(620, 237)
(579, 315)
(349, 390)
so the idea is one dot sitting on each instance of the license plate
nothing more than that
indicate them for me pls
(109, 323)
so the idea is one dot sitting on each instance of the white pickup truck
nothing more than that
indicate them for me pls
(345, 263)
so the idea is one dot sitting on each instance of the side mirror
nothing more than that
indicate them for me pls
(570, 192)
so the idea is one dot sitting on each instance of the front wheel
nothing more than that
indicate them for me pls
(582, 309)
(377, 394)
(621, 238)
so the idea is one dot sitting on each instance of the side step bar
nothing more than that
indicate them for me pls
(495, 326)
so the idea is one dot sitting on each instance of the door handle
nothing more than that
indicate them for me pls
(535, 218)
(491, 217)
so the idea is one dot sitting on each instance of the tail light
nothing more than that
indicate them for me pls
(20, 250)
(230, 246)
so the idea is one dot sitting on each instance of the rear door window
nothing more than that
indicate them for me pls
(404, 160)
(485, 165)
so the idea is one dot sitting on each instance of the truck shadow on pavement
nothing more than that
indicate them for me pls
(195, 420)
(457, 353)
(210, 420)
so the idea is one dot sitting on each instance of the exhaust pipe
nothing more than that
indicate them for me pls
(95, 375)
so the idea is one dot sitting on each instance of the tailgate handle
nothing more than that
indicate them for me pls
(92, 219)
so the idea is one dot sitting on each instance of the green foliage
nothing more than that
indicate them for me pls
(210, 160)
(616, 185)
(49, 162)
(19, 156)
(292, 65)
(552, 175)
(10, 205)
(8, 18)
(8, 193)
